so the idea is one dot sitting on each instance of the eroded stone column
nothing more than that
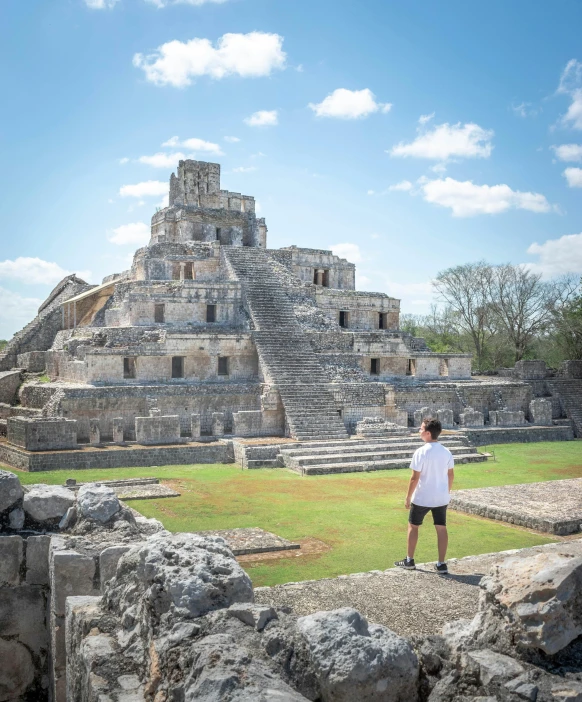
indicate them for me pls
(218, 423)
(118, 430)
(94, 431)
(195, 426)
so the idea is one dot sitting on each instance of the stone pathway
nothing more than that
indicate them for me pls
(554, 507)
(408, 602)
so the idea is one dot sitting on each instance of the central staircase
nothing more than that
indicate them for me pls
(285, 353)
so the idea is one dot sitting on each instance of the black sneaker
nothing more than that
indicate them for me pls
(441, 569)
(407, 563)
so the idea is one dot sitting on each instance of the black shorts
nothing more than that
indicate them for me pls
(418, 513)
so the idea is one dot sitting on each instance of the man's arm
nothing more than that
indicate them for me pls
(451, 478)
(414, 478)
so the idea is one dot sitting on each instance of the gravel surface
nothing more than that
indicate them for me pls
(408, 602)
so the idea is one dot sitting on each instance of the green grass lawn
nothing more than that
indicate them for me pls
(360, 516)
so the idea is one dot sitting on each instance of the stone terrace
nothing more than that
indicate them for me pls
(554, 507)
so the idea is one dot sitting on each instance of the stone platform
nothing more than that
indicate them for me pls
(485, 436)
(408, 602)
(127, 455)
(252, 540)
(134, 488)
(554, 507)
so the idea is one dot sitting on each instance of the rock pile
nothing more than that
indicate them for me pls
(178, 622)
(54, 508)
(179, 619)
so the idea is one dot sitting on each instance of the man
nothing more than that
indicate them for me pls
(428, 491)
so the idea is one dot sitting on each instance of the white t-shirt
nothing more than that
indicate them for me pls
(433, 462)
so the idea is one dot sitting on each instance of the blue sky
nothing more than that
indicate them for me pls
(408, 137)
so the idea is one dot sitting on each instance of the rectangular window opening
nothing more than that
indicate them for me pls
(383, 320)
(177, 366)
(223, 365)
(188, 272)
(411, 367)
(315, 276)
(129, 367)
(211, 313)
(325, 281)
(218, 233)
(343, 319)
(444, 367)
(159, 314)
(374, 366)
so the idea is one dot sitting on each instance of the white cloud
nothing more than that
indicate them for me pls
(231, 139)
(574, 177)
(244, 169)
(423, 119)
(404, 186)
(349, 104)
(15, 311)
(568, 152)
(558, 256)
(350, 251)
(246, 55)
(100, 4)
(134, 233)
(446, 140)
(194, 144)
(371, 192)
(35, 271)
(416, 295)
(149, 188)
(263, 118)
(466, 199)
(123, 161)
(571, 84)
(161, 160)
(524, 109)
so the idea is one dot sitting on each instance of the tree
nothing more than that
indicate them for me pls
(522, 303)
(465, 290)
(568, 321)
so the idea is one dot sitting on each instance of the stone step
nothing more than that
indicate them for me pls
(367, 456)
(354, 447)
(358, 467)
(263, 463)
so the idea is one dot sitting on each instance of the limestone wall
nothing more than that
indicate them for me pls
(363, 309)
(24, 636)
(304, 262)
(107, 403)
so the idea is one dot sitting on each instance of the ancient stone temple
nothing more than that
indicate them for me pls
(211, 333)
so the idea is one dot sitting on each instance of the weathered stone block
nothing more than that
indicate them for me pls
(11, 550)
(117, 430)
(157, 429)
(10, 490)
(97, 502)
(218, 424)
(45, 434)
(94, 431)
(37, 560)
(471, 418)
(531, 370)
(195, 426)
(71, 574)
(247, 423)
(506, 418)
(572, 369)
(46, 502)
(9, 383)
(445, 417)
(23, 615)
(541, 411)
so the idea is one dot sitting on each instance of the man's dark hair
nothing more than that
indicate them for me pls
(433, 426)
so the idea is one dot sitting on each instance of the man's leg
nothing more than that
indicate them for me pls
(442, 541)
(411, 540)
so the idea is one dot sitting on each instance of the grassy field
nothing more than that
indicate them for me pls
(359, 516)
